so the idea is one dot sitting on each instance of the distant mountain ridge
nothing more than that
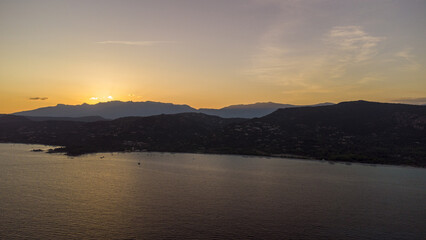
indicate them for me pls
(108, 110)
(118, 109)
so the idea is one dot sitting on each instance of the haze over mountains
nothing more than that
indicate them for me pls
(118, 109)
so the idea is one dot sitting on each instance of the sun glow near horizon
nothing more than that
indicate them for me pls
(101, 99)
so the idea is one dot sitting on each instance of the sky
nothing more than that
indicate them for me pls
(212, 54)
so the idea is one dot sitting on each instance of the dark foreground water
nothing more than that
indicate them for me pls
(195, 196)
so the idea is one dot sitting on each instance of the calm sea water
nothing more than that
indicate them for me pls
(196, 196)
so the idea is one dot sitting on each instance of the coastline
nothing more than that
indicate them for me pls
(55, 149)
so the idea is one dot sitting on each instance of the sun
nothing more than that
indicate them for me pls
(102, 99)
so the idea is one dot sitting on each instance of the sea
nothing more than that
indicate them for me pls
(150, 195)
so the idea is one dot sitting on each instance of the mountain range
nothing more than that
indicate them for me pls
(358, 131)
(118, 109)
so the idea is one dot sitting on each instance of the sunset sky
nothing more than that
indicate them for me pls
(207, 53)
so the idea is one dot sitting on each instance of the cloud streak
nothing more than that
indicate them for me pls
(348, 46)
(38, 98)
(353, 42)
(421, 100)
(408, 59)
(336, 53)
(136, 43)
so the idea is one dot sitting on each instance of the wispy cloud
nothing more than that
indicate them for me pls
(421, 100)
(348, 46)
(136, 43)
(409, 61)
(353, 43)
(339, 50)
(38, 98)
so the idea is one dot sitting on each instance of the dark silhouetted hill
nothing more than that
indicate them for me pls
(351, 131)
(76, 119)
(245, 111)
(255, 110)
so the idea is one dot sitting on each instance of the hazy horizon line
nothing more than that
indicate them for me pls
(409, 101)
